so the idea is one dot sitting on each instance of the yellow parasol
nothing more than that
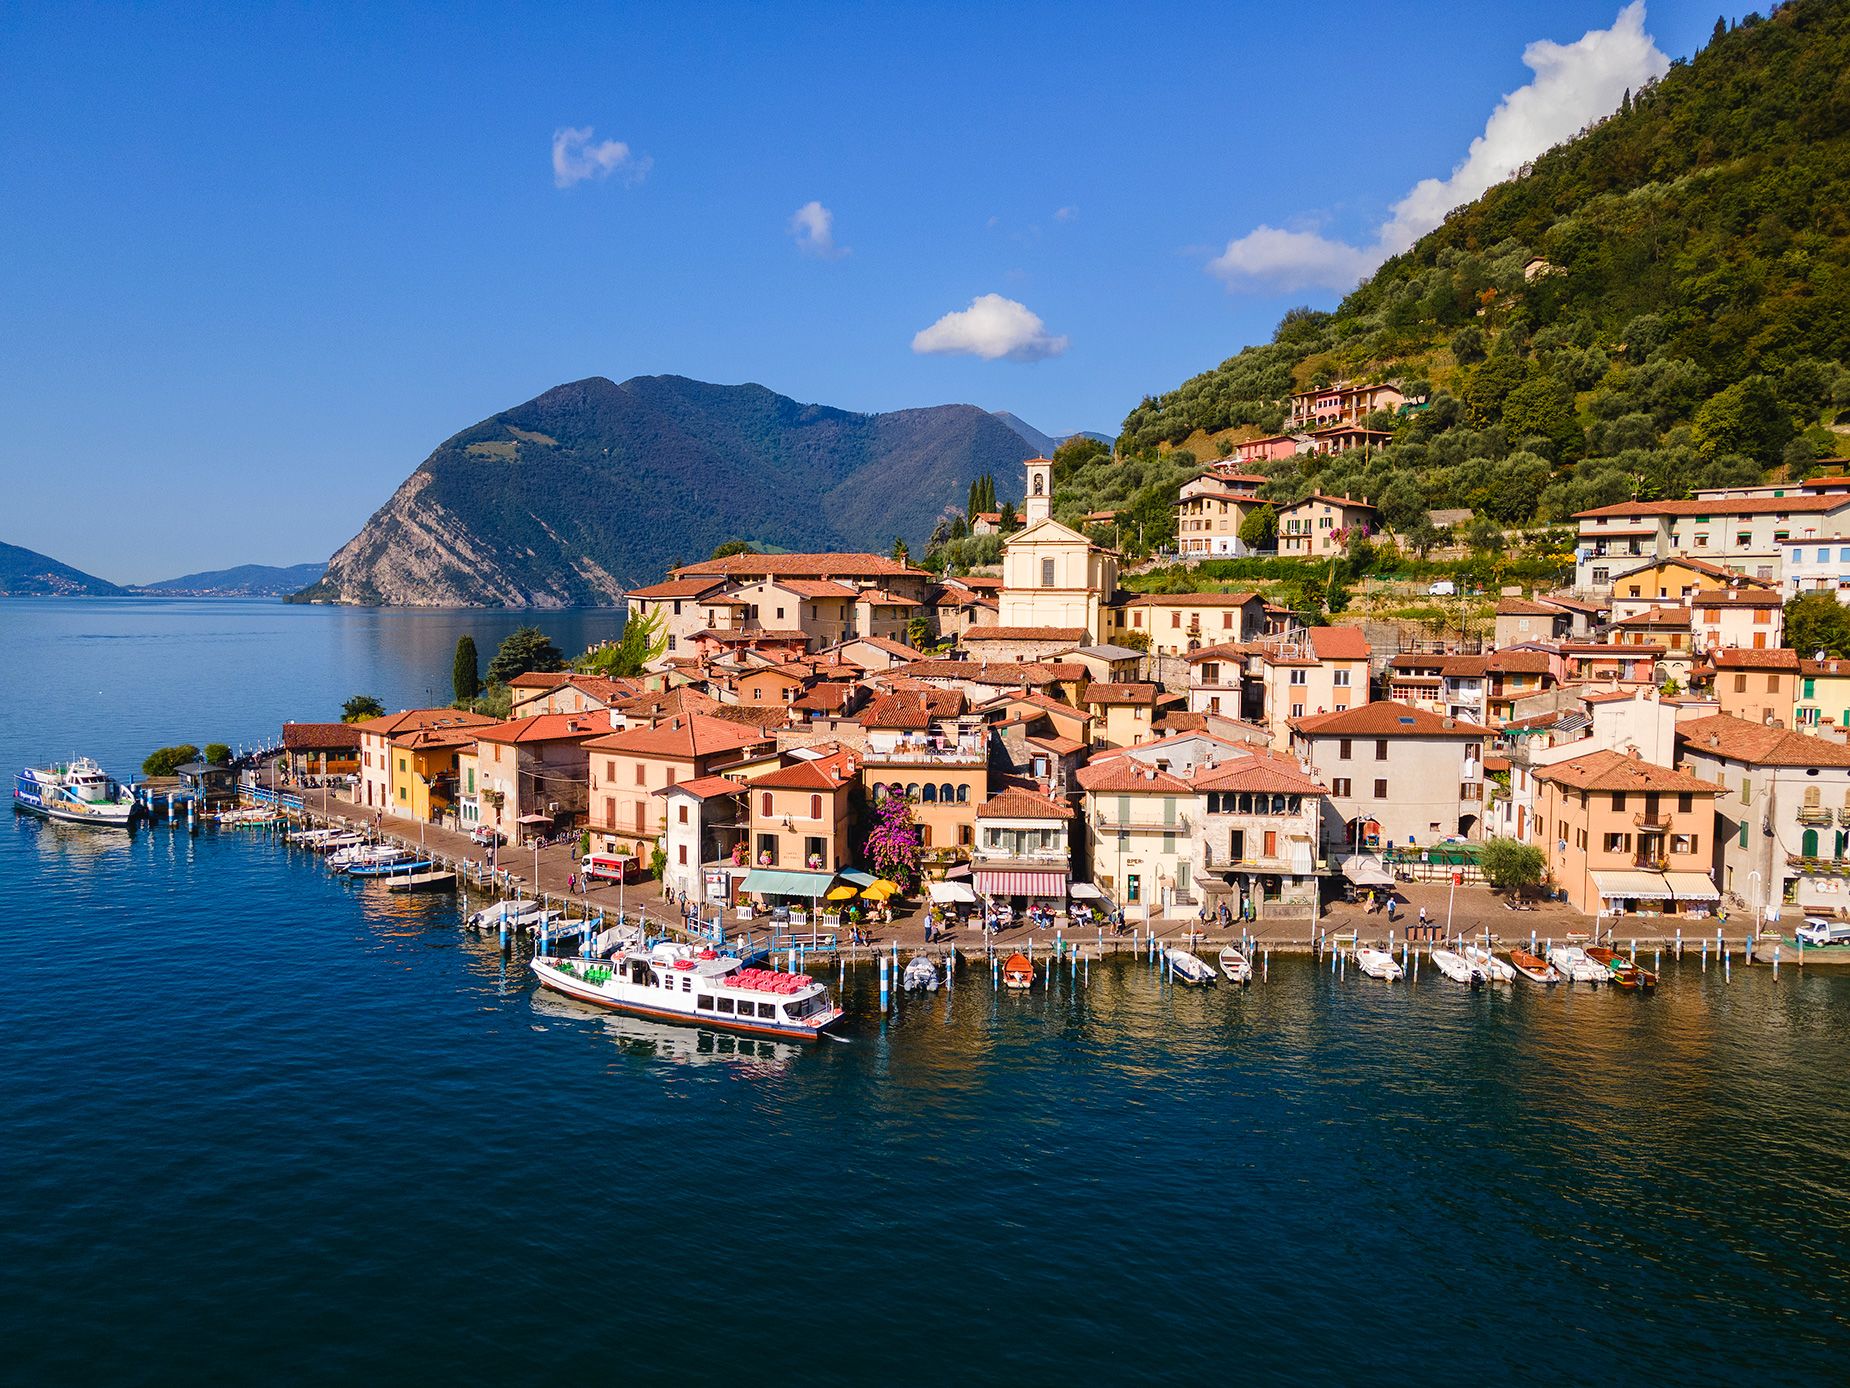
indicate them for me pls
(880, 890)
(840, 893)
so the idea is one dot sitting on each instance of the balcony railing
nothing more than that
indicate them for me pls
(1652, 821)
(993, 857)
(1816, 814)
(927, 756)
(1650, 861)
(1110, 823)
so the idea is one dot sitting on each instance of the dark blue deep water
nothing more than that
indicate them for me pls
(259, 1126)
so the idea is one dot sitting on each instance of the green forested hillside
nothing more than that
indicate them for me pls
(1689, 326)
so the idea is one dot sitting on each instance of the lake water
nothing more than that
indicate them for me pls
(258, 1125)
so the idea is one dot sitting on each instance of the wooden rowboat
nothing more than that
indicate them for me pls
(1018, 972)
(1536, 970)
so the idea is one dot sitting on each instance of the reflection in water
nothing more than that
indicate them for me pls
(678, 1045)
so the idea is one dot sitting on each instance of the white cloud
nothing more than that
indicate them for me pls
(1065, 214)
(575, 158)
(813, 226)
(991, 328)
(1574, 85)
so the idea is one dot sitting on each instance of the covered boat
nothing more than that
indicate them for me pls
(1624, 971)
(1495, 970)
(1187, 968)
(1018, 972)
(920, 975)
(1572, 963)
(1456, 967)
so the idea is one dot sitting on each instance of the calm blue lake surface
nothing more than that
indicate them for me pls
(258, 1126)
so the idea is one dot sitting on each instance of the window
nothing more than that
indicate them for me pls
(815, 807)
(642, 773)
(1340, 679)
(1618, 800)
(682, 850)
(765, 804)
(1381, 749)
(1299, 677)
(1046, 573)
(1618, 843)
(1740, 684)
(1340, 786)
(1380, 790)
(1297, 710)
(1342, 749)
(1772, 684)
(1686, 801)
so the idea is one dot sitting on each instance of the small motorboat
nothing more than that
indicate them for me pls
(1533, 967)
(1456, 967)
(920, 975)
(1235, 967)
(1187, 968)
(1495, 970)
(1624, 971)
(517, 915)
(1572, 963)
(1378, 963)
(1018, 972)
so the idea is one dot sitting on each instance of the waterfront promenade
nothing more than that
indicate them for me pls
(1473, 909)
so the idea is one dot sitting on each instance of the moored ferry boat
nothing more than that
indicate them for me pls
(687, 983)
(78, 792)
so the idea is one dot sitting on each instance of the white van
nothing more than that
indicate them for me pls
(1444, 588)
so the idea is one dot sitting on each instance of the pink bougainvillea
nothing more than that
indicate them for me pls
(894, 846)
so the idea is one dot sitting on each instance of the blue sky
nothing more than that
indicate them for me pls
(255, 262)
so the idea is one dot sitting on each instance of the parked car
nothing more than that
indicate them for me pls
(1444, 588)
(1819, 931)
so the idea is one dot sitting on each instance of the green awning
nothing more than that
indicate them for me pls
(776, 882)
(856, 876)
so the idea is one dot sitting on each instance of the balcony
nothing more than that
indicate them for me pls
(1108, 822)
(1816, 814)
(959, 755)
(1651, 862)
(1652, 821)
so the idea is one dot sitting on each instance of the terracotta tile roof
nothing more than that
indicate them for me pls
(1225, 651)
(1571, 604)
(1339, 643)
(1059, 746)
(1735, 506)
(1181, 721)
(1608, 770)
(1518, 663)
(912, 711)
(996, 633)
(1000, 674)
(979, 582)
(1194, 600)
(817, 588)
(1259, 772)
(1655, 617)
(1464, 667)
(391, 724)
(1386, 718)
(746, 638)
(1125, 775)
(1695, 565)
(540, 679)
(546, 727)
(1100, 692)
(1333, 501)
(1735, 597)
(1523, 607)
(1017, 803)
(880, 597)
(425, 739)
(1738, 739)
(705, 787)
(825, 696)
(1827, 669)
(835, 564)
(686, 737)
(675, 588)
(891, 647)
(1743, 658)
(752, 715)
(320, 737)
(827, 772)
(683, 699)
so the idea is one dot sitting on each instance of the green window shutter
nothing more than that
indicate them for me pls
(1743, 833)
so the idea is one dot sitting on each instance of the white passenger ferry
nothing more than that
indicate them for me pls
(691, 983)
(80, 792)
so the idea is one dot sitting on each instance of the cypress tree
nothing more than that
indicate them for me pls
(465, 670)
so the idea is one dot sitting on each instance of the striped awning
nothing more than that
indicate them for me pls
(1632, 886)
(1010, 883)
(1692, 886)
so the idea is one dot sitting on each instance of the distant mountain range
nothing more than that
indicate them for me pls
(243, 581)
(596, 487)
(27, 573)
(1044, 444)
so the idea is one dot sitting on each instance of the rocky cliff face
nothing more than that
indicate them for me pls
(595, 487)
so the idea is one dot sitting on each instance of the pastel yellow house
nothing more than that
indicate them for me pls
(1052, 576)
(1124, 715)
(425, 765)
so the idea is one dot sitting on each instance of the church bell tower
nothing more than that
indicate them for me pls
(1038, 505)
